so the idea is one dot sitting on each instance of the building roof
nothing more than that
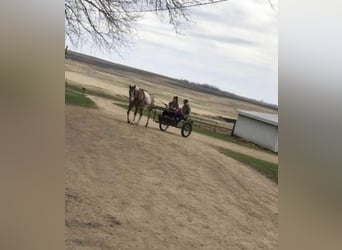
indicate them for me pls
(264, 117)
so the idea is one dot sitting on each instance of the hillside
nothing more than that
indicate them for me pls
(203, 88)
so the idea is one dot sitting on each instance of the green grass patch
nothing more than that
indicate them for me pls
(266, 168)
(75, 98)
(229, 138)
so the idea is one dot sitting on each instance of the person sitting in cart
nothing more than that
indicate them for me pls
(172, 107)
(184, 113)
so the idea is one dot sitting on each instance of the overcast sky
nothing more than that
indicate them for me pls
(232, 45)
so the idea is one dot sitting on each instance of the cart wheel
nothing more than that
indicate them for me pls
(186, 129)
(163, 127)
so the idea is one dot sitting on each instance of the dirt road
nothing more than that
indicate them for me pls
(131, 187)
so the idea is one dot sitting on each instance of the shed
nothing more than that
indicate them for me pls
(259, 128)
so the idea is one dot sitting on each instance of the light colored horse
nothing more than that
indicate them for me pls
(140, 99)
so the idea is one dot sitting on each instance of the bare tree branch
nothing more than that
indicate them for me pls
(110, 23)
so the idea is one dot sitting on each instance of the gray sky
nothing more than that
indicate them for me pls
(232, 45)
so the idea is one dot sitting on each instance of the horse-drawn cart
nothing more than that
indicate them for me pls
(167, 118)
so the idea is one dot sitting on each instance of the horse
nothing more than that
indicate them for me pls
(139, 98)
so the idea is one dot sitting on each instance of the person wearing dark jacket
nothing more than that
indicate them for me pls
(172, 107)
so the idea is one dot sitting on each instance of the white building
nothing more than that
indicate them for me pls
(259, 128)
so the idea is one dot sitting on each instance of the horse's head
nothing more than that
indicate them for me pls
(131, 93)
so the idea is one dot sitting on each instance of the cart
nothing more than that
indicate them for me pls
(166, 118)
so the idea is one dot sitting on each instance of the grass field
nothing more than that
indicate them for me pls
(115, 80)
(77, 98)
(266, 168)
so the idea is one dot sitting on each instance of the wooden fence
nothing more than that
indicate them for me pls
(213, 126)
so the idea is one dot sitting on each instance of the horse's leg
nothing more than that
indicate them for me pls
(129, 109)
(154, 114)
(140, 115)
(148, 116)
(135, 113)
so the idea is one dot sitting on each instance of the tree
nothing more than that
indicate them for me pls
(110, 23)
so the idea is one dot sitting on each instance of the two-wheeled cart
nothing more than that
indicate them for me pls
(167, 118)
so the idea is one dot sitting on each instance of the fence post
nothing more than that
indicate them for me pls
(232, 132)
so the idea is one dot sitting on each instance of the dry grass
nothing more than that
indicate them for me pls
(115, 82)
